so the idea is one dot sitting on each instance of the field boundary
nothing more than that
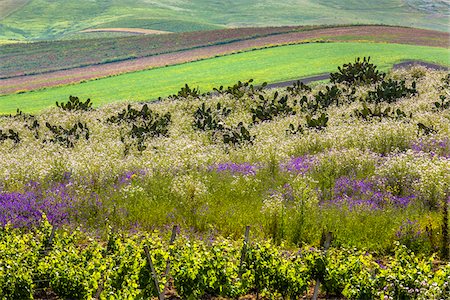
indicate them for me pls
(81, 74)
(126, 30)
(293, 35)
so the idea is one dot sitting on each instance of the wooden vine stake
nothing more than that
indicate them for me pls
(49, 243)
(152, 269)
(161, 294)
(244, 249)
(166, 273)
(325, 244)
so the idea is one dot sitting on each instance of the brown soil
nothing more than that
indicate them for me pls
(374, 33)
(126, 30)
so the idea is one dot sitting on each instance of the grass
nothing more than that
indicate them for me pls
(46, 19)
(271, 65)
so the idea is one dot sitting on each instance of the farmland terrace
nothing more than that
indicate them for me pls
(45, 64)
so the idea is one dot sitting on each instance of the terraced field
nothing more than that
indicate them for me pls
(140, 53)
(272, 65)
(47, 19)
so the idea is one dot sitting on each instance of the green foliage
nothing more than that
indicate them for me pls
(318, 123)
(390, 91)
(207, 119)
(268, 109)
(295, 130)
(33, 127)
(141, 124)
(443, 105)
(361, 72)
(240, 89)
(21, 115)
(377, 112)
(67, 137)
(131, 115)
(9, 135)
(79, 267)
(150, 128)
(322, 100)
(186, 92)
(329, 97)
(74, 104)
(236, 136)
(426, 130)
(298, 88)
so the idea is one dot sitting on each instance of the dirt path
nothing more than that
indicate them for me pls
(126, 30)
(394, 34)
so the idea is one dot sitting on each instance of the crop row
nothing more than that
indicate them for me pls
(73, 265)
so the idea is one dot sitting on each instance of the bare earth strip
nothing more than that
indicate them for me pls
(126, 30)
(7, 7)
(375, 33)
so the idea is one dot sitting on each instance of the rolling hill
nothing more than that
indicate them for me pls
(47, 19)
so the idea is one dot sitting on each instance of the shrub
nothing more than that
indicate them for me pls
(186, 92)
(268, 109)
(359, 73)
(240, 89)
(67, 137)
(157, 126)
(390, 91)
(426, 130)
(298, 88)
(443, 105)
(9, 135)
(368, 113)
(142, 124)
(329, 97)
(74, 104)
(322, 100)
(237, 136)
(318, 123)
(207, 119)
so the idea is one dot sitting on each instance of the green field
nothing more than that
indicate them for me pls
(39, 57)
(47, 19)
(271, 65)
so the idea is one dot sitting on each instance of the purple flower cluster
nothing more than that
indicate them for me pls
(235, 168)
(299, 165)
(363, 193)
(26, 209)
(436, 147)
(59, 203)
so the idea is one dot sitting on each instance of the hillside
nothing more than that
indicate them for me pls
(46, 19)
(274, 64)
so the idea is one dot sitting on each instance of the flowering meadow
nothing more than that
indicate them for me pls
(367, 160)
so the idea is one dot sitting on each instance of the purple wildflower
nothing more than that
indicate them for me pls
(299, 165)
(364, 193)
(235, 168)
(436, 147)
(26, 209)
